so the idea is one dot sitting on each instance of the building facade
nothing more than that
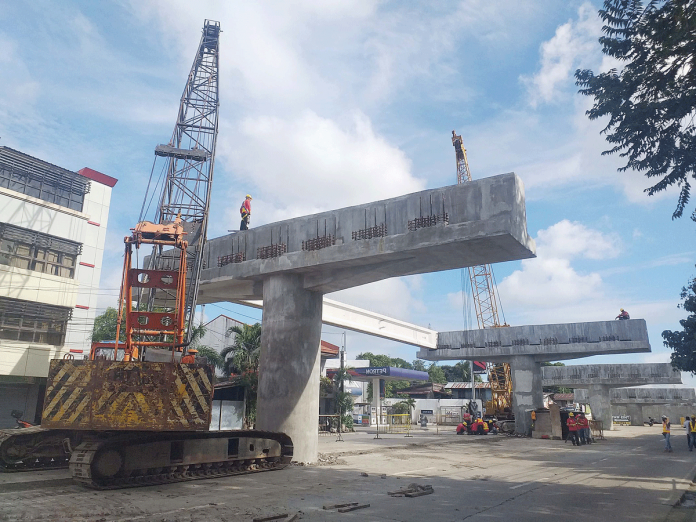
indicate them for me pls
(52, 233)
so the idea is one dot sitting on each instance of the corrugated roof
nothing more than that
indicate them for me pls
(563, 396)
(467, 385)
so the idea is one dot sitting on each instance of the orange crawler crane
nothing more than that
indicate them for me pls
(145, 419)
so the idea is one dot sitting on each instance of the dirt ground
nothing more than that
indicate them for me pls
(626, 477)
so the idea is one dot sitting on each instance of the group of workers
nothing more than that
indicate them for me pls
(689, 425)
(578, 429)
(477, 426)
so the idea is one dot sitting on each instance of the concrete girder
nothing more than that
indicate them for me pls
(485, 223)
(543, 343)
(364, 321)
(599, 379)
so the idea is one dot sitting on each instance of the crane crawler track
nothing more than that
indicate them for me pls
(32, 449)
(138, 459)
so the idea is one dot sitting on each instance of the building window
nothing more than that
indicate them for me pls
(24, 248)
(33, 322)
(39, 179)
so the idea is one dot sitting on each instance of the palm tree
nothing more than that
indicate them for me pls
(241, 361)
(243, 355)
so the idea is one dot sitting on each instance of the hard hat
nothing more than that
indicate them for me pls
(621, 309)
(192, 350)
(249, 196)
(570, 414)
(664, 417)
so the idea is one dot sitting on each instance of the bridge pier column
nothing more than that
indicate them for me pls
(636, 413)
(526, 390)
(288, 394)
(600, 404)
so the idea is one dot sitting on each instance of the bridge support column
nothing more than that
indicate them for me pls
(600, 404)
(288, 395)
(526, 391)
(636, 413)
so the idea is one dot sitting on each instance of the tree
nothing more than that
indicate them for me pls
(651, 102)
(436, 374)
(683, 344)
(457, 373)
(241, 362)
(419, 365)
(104, 328)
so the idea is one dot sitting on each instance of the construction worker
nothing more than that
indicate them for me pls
(692, 432)
(190, 357)
(580, 424)
(585, 426)
(245, 211)
(572, 429)
(461, 428)
(666, 428)
(623, 315)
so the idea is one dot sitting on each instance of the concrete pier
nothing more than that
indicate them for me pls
(525, 347)
(292, 264)
(288, 394)
(599, 379)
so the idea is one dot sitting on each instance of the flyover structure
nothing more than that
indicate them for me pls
(599, 379)
(292, 264)
(526, 347)
(640, 403)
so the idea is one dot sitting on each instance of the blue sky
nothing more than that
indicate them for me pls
(330, 104)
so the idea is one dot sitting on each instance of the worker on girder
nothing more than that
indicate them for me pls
(245, 211)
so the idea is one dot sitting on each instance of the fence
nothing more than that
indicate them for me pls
(396, 423)
(328, 424)
(450, 415)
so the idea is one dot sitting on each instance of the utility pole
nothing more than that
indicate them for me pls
(341, 387)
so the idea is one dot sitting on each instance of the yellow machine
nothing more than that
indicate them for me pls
(483, 291)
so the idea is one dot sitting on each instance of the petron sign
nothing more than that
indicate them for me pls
(374, 371)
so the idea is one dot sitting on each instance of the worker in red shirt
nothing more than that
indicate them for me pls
(461, 428)
(245, 211)
(190, 357)
(572, 429)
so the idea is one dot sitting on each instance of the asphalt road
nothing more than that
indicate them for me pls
(626, 477)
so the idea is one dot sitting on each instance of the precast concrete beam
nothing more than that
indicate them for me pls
(288, 394)
(463, 225)
(364, 321)
(612, 375)
(546, 342)
(643, 395)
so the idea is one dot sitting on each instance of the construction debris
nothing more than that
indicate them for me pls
(270, 518)
(336, 506)
(413, 490)
(363, 474)
(353, 508)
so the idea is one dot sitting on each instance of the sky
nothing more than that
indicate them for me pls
(324, 105)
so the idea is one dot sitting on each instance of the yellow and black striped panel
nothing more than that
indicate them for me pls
(141, 396)
(68, 396)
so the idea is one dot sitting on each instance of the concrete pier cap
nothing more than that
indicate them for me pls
(526, 347)
(291, 264)
(600, 379)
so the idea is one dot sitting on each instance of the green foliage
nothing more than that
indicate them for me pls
(241, 362)
(213, 357)
(552, 364)
(419, 365)
(243, 355)
(436, 374)
(325, 387)
(651, 101)
(105, 326)
(460, 372)
(683, 343)
(400, 408)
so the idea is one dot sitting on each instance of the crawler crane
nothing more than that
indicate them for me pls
(136, 415)
(483, 291)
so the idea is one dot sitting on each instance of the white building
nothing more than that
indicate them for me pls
(52, 232)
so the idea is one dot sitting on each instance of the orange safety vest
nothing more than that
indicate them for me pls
(692, 426)
(665, 427)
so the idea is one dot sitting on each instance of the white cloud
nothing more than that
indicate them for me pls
(549, 288)
(335, 163)
(572, 44)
